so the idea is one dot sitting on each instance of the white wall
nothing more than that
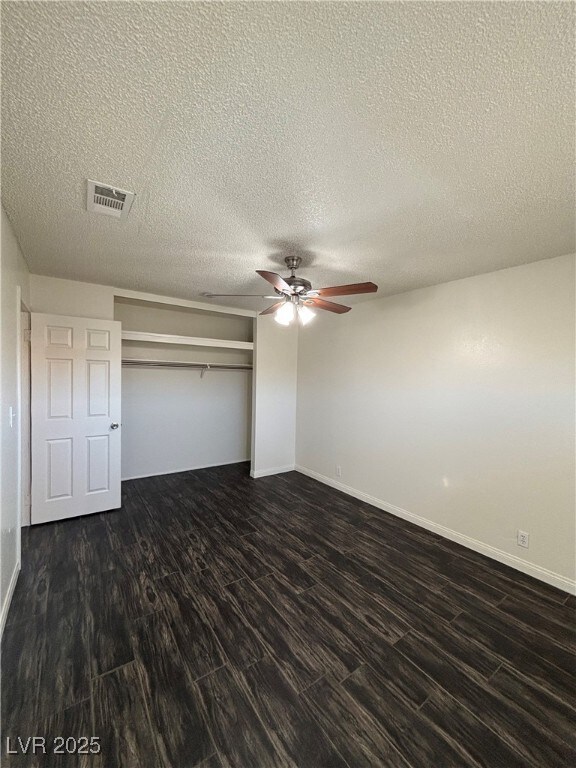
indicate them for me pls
(57, 296)
(453, 406)
(13, 276)
(53, 295)
(182, 321)
(174, 420)
(274, 404)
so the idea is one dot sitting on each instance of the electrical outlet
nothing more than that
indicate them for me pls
(523, 539)
(338, 470)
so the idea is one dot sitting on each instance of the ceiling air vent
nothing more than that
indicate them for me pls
(110, 201)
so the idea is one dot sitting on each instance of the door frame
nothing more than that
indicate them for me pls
(23, 309)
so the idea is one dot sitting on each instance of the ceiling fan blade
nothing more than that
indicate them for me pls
(346, 290)
(278, 282)
(273, 308)
(329, 305)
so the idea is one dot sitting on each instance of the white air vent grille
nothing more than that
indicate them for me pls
(110, 201)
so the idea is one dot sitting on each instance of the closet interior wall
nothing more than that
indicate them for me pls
(181, 418)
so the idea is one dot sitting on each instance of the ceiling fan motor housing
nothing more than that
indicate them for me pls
(298, 284)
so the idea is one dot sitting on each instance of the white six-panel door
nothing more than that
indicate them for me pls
(76, 379)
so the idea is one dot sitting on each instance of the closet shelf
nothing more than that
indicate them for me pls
(191, 341)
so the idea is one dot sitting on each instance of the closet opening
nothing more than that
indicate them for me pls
(186, 387)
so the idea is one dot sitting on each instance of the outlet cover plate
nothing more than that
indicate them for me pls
(523, 539)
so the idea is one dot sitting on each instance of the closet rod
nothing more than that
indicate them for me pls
(134, 363)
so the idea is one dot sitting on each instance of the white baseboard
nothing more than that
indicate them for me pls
(8, 599)
(272, 471)
(543, 574)
(186, 469)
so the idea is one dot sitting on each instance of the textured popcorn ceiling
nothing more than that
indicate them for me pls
(404, 143)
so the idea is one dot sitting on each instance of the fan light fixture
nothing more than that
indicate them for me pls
(290, 310)
(286, 313)
(305, 314)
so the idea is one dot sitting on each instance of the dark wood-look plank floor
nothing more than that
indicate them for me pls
(216, 621)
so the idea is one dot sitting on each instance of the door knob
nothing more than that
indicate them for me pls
(114, 425)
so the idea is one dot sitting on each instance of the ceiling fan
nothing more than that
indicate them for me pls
(298, 297)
